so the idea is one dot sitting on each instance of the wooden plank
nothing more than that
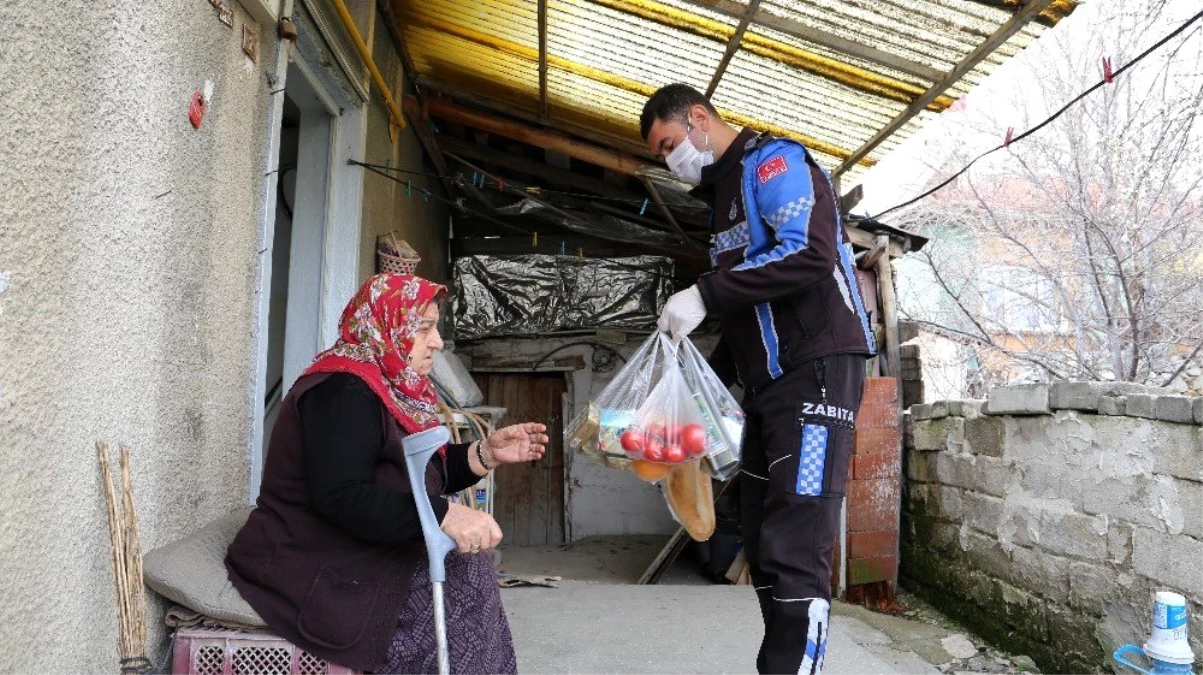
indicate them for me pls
(889, 309)
(554, 469)
(869, 260)
(1012, 26)
(664, 560)
(544, 113)
(732, 46)
(862, 239)
(852, 198)
(548, 244)
(668, 215)
(539, 520)
(668, 555)
(626, 144)
(551, 174)
(607, 158)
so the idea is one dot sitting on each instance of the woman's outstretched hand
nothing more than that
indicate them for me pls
(516, 443)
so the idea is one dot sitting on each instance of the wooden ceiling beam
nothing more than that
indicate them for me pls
(606, 158)
(544, 114)
(627, 145)
(533, 167)
(732, 46)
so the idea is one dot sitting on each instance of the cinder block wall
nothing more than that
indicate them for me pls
(1046, 518)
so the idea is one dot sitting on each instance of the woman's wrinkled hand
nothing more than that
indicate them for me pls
(517, 443)
(473, 531)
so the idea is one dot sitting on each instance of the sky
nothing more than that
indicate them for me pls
(1013, 94)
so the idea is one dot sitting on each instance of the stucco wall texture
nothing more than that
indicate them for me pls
(130, 243)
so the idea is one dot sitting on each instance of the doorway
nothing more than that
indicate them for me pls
(294, 293)
(529, 501)
(311, 231)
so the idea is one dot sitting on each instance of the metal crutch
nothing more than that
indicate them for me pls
(419, 448)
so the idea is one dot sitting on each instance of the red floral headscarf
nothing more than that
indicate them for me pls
(376, 336)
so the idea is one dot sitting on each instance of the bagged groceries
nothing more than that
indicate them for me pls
(665, 409)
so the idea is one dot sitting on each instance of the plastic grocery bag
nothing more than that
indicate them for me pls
(722, 415)
(596, 431)
(662, 410)
(668, 429)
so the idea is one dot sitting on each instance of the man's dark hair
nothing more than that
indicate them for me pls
(671, 103)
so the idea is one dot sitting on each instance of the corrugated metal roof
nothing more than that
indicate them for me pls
(830, 73)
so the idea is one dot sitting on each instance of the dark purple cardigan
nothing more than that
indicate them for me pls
(336, 596)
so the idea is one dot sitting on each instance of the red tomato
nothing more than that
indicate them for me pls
(632, 440)
(654, 451)
(693, 439)
(674, 454)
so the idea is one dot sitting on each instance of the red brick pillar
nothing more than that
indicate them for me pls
(874, 496)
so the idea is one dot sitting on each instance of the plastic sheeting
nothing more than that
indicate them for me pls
(603, 227)
(502, 296)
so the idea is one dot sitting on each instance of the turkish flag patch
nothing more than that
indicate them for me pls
(772, 168)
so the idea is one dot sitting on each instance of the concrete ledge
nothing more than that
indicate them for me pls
(1142, 405)
(929, 411)
(1116, 406)
(1178, 409)
(1018, 399)
(1087, 395)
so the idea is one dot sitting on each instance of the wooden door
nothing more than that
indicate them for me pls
(529, 499)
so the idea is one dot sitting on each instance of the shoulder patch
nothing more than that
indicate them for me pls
(770, 169)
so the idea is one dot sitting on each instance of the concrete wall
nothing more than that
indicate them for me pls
(129, 241)
(1047, 519)
(600, 500)
(129, 271)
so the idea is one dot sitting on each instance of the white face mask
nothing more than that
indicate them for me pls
(686, 161)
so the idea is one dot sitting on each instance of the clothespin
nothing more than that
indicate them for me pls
(388, 164)
(643, 209)
(409, 187)
(1010, 135)
(425, 195)
(534, 189)
(561, 247)
(534, 240)
(500, 185)
(1107, 74)
(580, 254)
(474, 178)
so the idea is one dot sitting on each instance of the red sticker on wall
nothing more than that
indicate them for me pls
(196, 111)
(771, 169)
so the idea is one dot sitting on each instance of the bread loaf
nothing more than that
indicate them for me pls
(690, 497)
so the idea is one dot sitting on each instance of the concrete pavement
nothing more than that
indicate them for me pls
(590, 627)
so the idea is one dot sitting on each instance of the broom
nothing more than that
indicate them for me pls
(127, 563)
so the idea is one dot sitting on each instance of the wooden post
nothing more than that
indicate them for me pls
(889, 310)
(544, 115)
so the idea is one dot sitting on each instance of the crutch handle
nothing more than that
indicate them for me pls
(419, 448)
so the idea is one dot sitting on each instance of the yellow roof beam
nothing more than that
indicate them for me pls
(616, 81)
(832, 69)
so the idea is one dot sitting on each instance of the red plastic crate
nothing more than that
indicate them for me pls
(207, 651)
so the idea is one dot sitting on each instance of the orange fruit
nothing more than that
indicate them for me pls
(650, 471)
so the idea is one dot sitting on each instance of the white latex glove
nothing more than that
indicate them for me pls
(682, 313)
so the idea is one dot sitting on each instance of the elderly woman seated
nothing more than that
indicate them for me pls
(332, 556)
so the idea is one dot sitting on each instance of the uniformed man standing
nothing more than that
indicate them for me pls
(796, 330)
